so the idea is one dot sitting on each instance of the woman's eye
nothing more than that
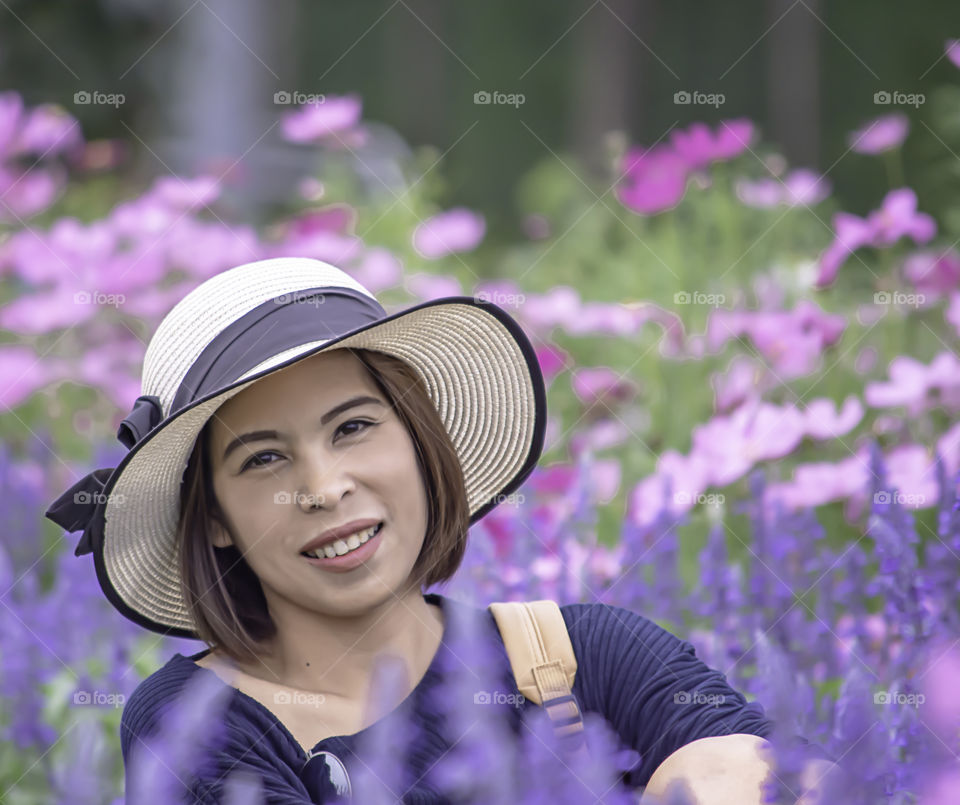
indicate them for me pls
(355, 422)
(256, 461)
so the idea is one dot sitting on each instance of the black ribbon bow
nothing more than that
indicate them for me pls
(76, 509)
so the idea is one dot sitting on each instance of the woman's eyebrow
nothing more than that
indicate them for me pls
(264, 435)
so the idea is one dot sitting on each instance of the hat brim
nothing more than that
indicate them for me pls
(480, 371)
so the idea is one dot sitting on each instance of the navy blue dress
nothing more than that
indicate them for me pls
(630, 671)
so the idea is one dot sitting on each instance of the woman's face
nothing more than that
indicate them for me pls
(279, 492)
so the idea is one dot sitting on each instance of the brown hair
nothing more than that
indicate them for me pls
(221, 591)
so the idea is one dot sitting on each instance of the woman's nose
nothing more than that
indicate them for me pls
(323, 485)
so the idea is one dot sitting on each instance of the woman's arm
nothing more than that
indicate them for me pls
(729, 770)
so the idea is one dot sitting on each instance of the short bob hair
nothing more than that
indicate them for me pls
(221, 591)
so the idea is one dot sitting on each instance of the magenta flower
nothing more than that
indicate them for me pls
(933, 273)
(744, 379)
(552, 360)
(952, 313)
(336, 115)
(378, 269)
(450, 232)
(880, 135)
(699, 147)
(851, 233)
(598, 384)
(896, 218)
(655, 180)
(952, 49)
(762, 193)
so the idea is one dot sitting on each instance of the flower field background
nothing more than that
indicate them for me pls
(753, 398)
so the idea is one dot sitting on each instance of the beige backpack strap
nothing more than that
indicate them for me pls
(542, 659)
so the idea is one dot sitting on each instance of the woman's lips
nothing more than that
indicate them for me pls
(351, 559)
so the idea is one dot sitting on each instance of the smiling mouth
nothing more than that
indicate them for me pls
(340, 547)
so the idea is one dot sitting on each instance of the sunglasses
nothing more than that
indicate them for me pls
(326, 778)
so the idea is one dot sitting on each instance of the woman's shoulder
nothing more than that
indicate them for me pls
(598, 623)
(153, 697)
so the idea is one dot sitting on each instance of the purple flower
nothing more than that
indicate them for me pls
(596, 384)
(933, 273)
(952, 49)
(450, 232)
(800, 187)
(822, 421)
(817, 483)
(881, 134)
(335, 117)
(911, 382)
(699, 147)
(896, 218)
(655, 180)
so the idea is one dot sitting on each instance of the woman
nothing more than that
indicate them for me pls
(301, 465)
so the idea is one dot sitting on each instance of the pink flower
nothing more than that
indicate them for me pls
(456, 230)
(319, 120)
(699, 147)
(815, 484)
(23, 373)
(600, 384)
(378, 269)
(881, 134)
(757, 431)
(822, 421)
(851, 233)
(952, 314)
(911, 382)
(553, 360)
(896, 218)
(656, 180)
(933, 273)
(952, 49)
(800, 188)
(910, 471)
(740, 382)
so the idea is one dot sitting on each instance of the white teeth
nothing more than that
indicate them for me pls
(340, 547)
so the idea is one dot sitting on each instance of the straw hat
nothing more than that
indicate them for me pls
(237, 327)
